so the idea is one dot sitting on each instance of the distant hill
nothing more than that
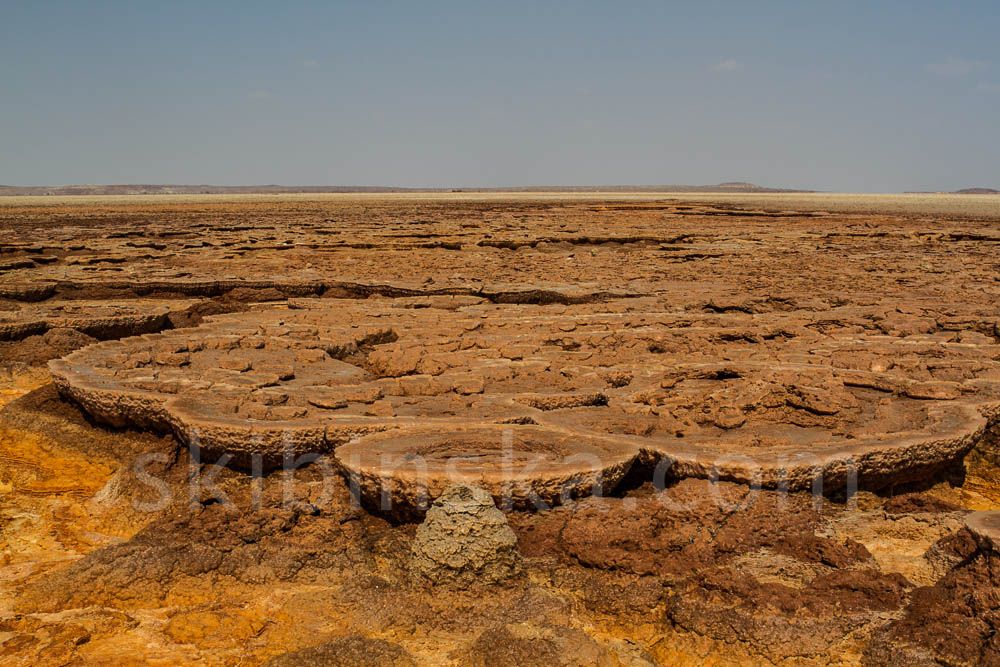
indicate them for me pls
(963, 191)
(152, 189)
(977, 191)
(721, 187)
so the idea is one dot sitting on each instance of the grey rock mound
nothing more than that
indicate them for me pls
(464, 540)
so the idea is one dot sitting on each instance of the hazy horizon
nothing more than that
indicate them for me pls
(349, 188)
(845, 97)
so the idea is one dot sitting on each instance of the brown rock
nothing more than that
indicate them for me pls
(464, 540)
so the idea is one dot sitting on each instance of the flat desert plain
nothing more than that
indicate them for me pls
(500, 429)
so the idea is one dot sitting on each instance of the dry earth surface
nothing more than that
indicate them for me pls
(723, 429)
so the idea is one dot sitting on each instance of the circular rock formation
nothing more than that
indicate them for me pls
(464, 540)
(521, 467)
(986, 527)
(789, 425)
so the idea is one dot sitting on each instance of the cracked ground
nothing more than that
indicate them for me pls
(713, 357)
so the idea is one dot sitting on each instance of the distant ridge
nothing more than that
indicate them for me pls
(963, 191)
(977, 191)
(153, 189)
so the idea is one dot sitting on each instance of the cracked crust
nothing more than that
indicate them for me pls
(271, 385)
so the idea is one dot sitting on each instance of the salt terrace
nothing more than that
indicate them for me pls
(709, 339)
(589, 390)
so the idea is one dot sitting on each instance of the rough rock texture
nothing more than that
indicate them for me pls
(750, 568)
(953, 622)
(37, 349)
(464, 540)
(220, 538)
(269, 383)
(98, 319)
(528, 645)
(347, 652)
(773, 340)
(520, 466)
(240, 574)
(688, 329)
(986, 527)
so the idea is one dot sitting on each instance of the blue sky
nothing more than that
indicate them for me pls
(842, 95)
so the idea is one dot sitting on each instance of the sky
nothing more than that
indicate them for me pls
(837, 95)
